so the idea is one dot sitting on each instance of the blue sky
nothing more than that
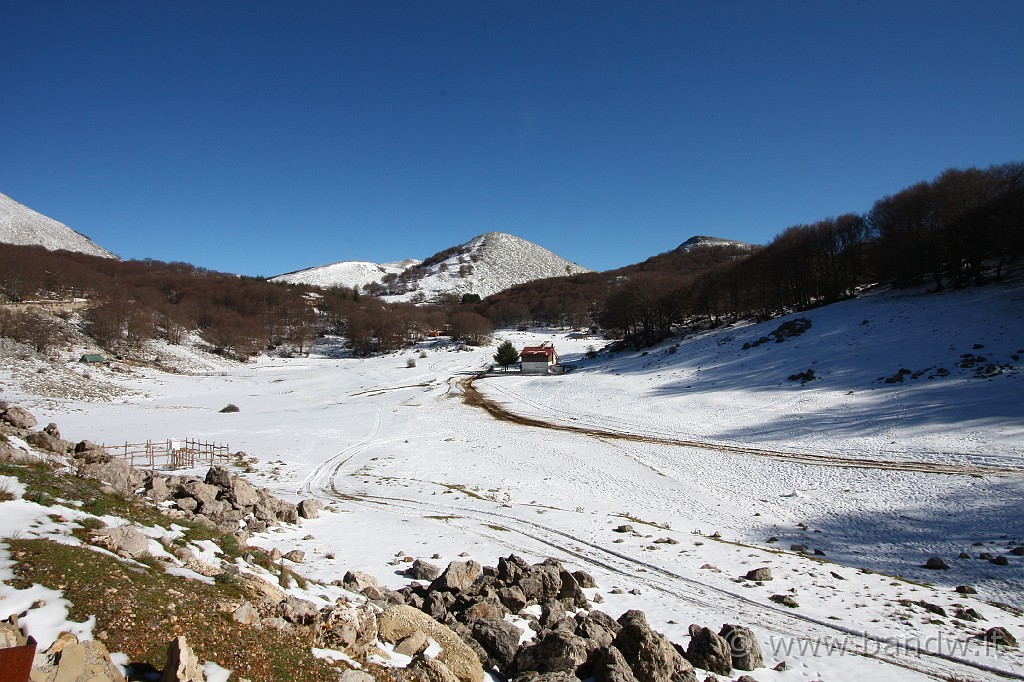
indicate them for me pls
(263, 137)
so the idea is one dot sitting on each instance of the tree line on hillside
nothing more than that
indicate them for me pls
(961, 229)
(131, 302)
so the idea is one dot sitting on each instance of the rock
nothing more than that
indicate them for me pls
(310, 509)
(746, 678)
(357, 581)
(785, 600)
(598, 627)
(651, 657)
(709, 651)
(513, 598)
(203, 493)
(68, 660)
(18, 417)
(423, 669)
(187, 504)
(801, 549)
(611, 666)
(44, 441)
(1017, 551)
(624, 528)
(500, 639)
(182, 663)
(759, 574)
(397, 622)
(485, 609)
(296, 556)
(412, 645)
(115, 472)
(157, 489)
(745, 649)
(559, 676)
(127, 539)
(352, 629)
(298, 611)
(1000, 561)
(353, 675)
(246, 614)
(421, 570)
(936, 563)
(999, 636)
(966, 589)
(52, 430)
(457, 577)
(584, 579)
(558, 651)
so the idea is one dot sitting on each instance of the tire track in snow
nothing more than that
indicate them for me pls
(472, 396)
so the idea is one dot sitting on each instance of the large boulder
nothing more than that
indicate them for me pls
(69, 660)
(114, 472)
(500, 639)
(709, 651)
(422, 570)
(18, 417)
(127, 539)
(651, 657)
(348, 628)
(310, 509)
(746, 651)
(457, 577)
(611, 666)
(424, 669)
(558, 651)
(44, 441)
(398, 621)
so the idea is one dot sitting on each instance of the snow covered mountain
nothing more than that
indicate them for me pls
(20, 225)
(484, 265)
(349, 273)
(701, 241)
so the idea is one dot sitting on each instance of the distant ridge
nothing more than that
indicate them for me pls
(20, 225)
(701, 241)
(484, 265)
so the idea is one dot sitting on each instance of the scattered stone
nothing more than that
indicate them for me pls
(296, 556)
(785, 600)
(397, 622)
(624, 528)
(802, 549)
(310, 509)
(966, 589)
(999, 636)
(651, 657)
(936, 563)
(18, 417)
(421, 570)
(357, 581)
(1000, 561)
(246, 614)
(759, 574)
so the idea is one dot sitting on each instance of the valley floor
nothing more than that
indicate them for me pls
(726, 463)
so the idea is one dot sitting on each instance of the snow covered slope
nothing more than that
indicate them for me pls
(19, 224)
(484, 265)
(349, 273)
(700, 241)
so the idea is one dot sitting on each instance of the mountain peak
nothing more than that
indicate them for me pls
(20, 225)
(702, 241)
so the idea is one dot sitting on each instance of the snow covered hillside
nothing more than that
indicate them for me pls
(20, 225)
(701, 241)
(349, 273)
(484, 265)
(840, 448)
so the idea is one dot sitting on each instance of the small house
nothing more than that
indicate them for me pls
(540, 359)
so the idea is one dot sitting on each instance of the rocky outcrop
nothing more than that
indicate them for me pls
(69, 660)
(397, 622)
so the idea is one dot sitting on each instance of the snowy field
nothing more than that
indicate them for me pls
(705, 448)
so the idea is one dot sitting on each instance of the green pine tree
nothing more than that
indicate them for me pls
(506, 355)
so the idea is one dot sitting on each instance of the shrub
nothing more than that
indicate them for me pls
(410, 362)
(230, 407)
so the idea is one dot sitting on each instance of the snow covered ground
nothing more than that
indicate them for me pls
(708, 451)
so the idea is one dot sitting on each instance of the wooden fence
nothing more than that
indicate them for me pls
(170, 454)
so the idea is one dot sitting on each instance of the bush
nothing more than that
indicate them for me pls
(410, 362)
(230, 407)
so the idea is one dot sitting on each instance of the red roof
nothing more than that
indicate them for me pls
(543, 352)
